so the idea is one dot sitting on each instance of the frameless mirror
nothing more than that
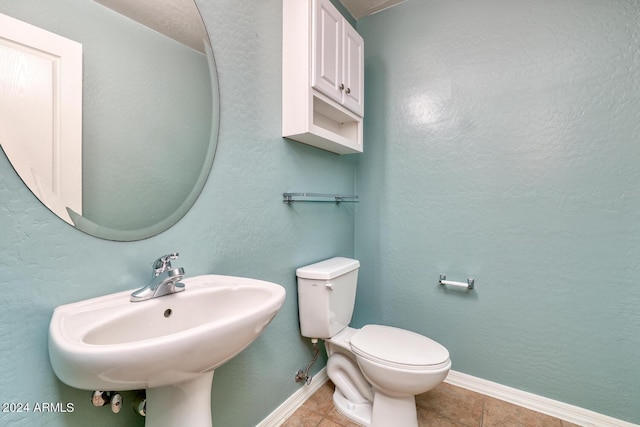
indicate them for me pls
(109, 109)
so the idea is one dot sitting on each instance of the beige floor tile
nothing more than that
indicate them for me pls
(303, 417)
(444, 406)
(502, 414)
(335, 416)
(454, 403)
(328, 423)
(322, 400)
(430, 419)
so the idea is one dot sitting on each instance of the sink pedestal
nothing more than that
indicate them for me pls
(183, 404)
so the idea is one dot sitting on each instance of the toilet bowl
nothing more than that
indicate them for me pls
(399, 362)
(377, 370)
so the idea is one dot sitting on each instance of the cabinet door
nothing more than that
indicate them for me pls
(327, 50)
(353, 71)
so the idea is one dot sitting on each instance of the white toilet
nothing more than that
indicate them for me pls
(377, 370)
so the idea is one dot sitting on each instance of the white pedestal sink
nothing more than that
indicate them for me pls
(169, 346)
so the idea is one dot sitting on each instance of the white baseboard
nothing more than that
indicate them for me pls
(289, 406)
(554, 408)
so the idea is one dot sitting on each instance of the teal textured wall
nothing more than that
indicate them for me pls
(238, 226)
(502, 142)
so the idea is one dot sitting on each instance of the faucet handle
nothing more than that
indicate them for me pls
(163, 263)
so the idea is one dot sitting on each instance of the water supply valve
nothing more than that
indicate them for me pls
(304, 375)
(100, 398)
(116, 403)
(140, 403)
(104, 398)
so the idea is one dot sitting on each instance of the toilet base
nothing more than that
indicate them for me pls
(357, 412)
(394, 411)
(386, 410)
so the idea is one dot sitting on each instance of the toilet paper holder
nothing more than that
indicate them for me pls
(470, 283)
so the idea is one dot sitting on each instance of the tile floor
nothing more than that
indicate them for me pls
(444, 406)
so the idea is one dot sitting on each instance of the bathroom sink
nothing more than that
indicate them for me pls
(110, 343)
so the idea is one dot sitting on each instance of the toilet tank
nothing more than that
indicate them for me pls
(326, 296)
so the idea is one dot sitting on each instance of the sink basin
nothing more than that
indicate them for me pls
(166, 345)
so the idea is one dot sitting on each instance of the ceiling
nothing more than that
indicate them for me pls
(178, 19)
(361, 8)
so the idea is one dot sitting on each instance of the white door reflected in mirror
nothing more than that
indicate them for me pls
(41, 106)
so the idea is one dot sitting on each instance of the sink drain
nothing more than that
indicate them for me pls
(167, 312)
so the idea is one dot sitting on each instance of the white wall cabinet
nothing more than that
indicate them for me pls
(322, 77)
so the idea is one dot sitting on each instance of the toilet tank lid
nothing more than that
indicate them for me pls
(328, 269)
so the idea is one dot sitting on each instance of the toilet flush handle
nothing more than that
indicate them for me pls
(329, 286)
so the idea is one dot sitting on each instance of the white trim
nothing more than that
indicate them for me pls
(289, 406)
(554, 408)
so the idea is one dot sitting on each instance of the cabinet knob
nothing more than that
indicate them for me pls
(341, 86)
(348, 90)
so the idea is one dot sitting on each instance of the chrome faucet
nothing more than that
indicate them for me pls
(164, 280)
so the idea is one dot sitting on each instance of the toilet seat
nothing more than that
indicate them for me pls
(398, 348)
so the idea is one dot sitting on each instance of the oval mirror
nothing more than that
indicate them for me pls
(109, 109)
